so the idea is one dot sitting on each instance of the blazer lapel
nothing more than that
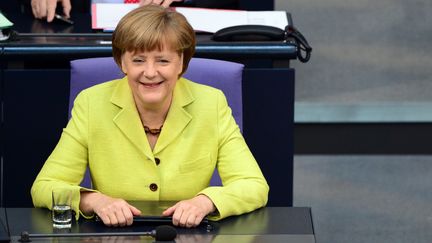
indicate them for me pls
(178, 118)
(128, 120)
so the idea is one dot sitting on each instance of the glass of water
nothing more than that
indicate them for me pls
(61, 208)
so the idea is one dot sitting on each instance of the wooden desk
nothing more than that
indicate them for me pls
(270, 224)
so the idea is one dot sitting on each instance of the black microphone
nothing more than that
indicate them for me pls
(164, 233)
(161, 233)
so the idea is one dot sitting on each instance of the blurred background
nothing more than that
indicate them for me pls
(363, 113)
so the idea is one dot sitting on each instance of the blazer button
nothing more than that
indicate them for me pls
(157, 161)
(153, 187)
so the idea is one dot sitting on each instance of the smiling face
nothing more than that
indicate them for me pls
(153, 27)
(152, 75)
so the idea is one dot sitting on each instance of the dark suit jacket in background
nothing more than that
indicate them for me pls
(230, 4)
(23, 6)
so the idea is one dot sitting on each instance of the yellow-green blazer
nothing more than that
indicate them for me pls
(199, 135)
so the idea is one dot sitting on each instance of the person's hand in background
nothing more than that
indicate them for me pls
(45, 9)
(163, 3)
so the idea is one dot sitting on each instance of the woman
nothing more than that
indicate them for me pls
(153, 135)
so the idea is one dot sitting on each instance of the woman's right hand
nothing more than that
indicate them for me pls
(112, 211)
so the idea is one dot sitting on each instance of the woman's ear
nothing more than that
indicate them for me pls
(180, 72)
(122, 64)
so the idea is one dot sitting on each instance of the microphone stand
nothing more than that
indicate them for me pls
(25, 236)
(161, 233)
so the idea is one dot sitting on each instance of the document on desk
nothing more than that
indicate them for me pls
(4, 22)
(212, 20)
(106, 16)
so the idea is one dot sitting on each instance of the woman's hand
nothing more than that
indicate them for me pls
(46, 8)
(189, 213)
(163, 3)
(112, 211)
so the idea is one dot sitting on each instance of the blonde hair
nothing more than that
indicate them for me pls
(150, 27)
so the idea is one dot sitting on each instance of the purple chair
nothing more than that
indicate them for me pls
(224, 75)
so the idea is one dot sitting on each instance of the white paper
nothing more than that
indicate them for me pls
(272, 18)
(212, 20)
(106, 16)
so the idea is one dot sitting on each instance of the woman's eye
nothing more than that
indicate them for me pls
(163, 61)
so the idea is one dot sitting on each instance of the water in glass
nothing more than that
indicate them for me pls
(62, 216)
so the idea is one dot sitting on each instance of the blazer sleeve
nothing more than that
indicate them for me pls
(244, 186)
(66, 165)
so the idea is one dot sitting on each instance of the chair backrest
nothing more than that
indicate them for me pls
(224, 75)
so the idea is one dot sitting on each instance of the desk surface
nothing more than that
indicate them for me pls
(270, 224)
(37, 37)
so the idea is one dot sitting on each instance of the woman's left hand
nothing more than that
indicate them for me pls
(189, 213)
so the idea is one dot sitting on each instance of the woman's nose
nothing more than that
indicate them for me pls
(150, 70)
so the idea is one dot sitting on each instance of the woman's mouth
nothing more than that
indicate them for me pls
(151, 85)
